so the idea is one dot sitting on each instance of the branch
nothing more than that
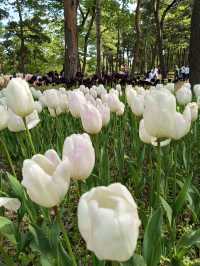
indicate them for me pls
(166, 11)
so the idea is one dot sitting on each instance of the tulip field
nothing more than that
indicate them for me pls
(99, 176)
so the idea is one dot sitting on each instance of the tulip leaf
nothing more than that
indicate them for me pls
(16, 186)
(187, 241)
(167, 209)
(182, 196)
(7, 229)
(152, 239)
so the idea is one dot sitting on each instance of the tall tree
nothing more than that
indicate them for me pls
(98, 36)
(136, 60)
(71, 38)
(160, 16)
(194, 57)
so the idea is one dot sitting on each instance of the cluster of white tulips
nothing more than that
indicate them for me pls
(157, 106)
(107, 216)
(93, 106)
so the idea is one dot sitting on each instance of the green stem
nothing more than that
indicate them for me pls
(65, 236)
(158, 176)
(29, 137)
(8, 156)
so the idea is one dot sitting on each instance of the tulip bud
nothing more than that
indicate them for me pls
(80, 152)
(76, 100)
(194, 110)
(46, 178)
(108, 222)
(135, 101)
(105, 113)
(91, 119)
(184, 95)
(19, 97)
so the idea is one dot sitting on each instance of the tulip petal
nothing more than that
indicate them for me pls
(10, 204)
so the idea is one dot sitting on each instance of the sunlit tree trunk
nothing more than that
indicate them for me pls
(136, 60)
(98, 36)
(194, 56)
(71, 38)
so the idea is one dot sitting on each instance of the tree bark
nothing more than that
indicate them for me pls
(194, 56)
(87, 38)
(136, 60)
(71, 39)
(98, 36)
(159, 35)
(22, 39)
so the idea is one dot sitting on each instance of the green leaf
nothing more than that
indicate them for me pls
(16, 186)
(7, 229)
(181, 198)
(152, 239)
(167, 209)
(187, 241)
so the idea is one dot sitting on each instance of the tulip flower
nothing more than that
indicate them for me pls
(184, 95)
(76, 100)
(80, 152)
(3, 117)
(19, 97)
(46, 178)
(10, 204)
(135, 101)
(16, 123)
(194, 110)
(197, 90)
(161, 120)
(38, 106)
(91, 119)
(170, 87)
(108, 222)
(104, 110)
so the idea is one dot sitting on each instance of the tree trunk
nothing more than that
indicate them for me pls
(98, 36)
(159, 35)
(87, 38)
(136, 60)
(22, 39)
(194, 57)
(71, 39)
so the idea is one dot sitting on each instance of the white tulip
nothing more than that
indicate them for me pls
(170, 87)
(105, 113)
(135, 101)
(36, 93)
(10, 204)
(108, 222)
(146, 138)
(194, 110)
(159, 113)
(197, 90)
(19, 97)
(16, 123)
(80, 152)
(120, 111)
(38, 106)
(3, 117)
(51, 98)
(184, 95)
(76, 100)
(182, 123)
(91, 119)
(46, 178)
